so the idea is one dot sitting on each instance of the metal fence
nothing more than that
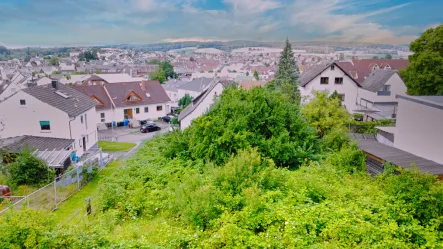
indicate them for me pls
(50, 196)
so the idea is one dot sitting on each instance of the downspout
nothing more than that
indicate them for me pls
(70, 132)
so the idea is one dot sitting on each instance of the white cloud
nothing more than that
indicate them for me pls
(244, 7)
(321, 17)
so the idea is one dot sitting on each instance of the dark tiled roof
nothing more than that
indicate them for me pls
(35, 143)
(99, 92)
(196, 85)
(76, 103)
(377, 79)
(119, 91)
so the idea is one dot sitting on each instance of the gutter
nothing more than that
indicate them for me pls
(70, 132)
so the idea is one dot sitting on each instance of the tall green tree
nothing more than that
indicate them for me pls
(159, 75)
(53, 61)
(185, 101)
(287, 68)
(388, 56)
(256, 76)
(424, 75)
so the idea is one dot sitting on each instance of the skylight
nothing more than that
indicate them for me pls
(62, 94)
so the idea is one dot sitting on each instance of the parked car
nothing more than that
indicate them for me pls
(143, 122)
(167, 118)
(149, 128)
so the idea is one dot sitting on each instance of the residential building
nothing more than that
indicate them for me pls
(330, 77)
(110, 79)
(419, 127)
(377, 96)
(201, 103)
(55, 111)
(118, 102)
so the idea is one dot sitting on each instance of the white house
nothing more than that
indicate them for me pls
(419, 128)
(55, 111)
(201, 104)
(377, 97)
(330, 77)
(117, 102)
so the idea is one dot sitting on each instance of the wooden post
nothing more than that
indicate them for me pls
(88, 206)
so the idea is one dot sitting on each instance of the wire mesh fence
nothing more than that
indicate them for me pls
(50, 196)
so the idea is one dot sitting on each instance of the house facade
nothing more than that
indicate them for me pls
(55, 111)
(419, 127)
(201, 104)
(330, 77)
(377, 97)
(118, 102)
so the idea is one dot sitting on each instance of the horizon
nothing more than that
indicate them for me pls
(68, 23)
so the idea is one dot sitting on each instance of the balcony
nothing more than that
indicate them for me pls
(384, 93)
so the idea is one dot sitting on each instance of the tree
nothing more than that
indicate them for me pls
(88, 56)
(3, 50)
(27, 58)
(166, 66)
(375, 57)
(53, 61)
(97, 72)
(159, 75)
(28, 169)
(185, 101)
(424, 75)
(191, 59)
(388, 56)
(287, 67)
(329, 118)
(256, 76)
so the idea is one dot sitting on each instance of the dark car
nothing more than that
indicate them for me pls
(167, 119)
(145, 122)
(149, 128)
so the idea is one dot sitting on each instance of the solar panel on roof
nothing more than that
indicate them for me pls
(62, 94)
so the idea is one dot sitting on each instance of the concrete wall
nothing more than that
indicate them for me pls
(348, 88)
(10, 90)
(86, 129)
(203, 107)
(420, 130)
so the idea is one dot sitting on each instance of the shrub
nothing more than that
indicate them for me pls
(28, 169)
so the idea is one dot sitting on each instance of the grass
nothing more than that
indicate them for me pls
(68, 209)
(115, 146)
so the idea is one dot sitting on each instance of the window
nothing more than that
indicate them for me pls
(137, 110)
(134, 98)
(22, 102)
(159, 108)
(81, 119)
(324, 80)
(80, 142)
(386, 88)
(339, 80)
(146, 109)
(342, 96)
(45, 125)
(102, 117)
(332, 68)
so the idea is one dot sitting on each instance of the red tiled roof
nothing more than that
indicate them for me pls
(98, 92)
(156, 92)
(364, 67)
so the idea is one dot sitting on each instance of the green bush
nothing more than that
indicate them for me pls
(28, 169)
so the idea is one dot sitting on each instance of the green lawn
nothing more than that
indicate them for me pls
(67, 210)
(115, 146)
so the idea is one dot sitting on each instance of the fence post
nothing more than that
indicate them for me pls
(78, 178)
(55, 193)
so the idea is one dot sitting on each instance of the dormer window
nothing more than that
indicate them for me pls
(332, 68)
(132, 96)
(387, 67)
(376, 67)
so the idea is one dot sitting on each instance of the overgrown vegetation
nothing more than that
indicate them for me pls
(115, 146)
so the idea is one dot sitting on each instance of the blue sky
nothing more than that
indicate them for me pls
(76, 22)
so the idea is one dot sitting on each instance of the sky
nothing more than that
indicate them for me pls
(101, 22)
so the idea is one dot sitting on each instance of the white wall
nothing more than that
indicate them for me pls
(348, 88)
(182, 92)
(420, 130)
(10, 90)
(25, 120)
(203, 107)
(397, 87)
(117, 114)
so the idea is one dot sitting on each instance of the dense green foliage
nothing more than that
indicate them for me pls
(256, 77)
(424, 76)
(28, 169)
(287, 67)
(53, 61)
(158, 75)
(167, 68)
(219, 185)
(246, 119)
(185, 101)
(88, 56)
(388, 56)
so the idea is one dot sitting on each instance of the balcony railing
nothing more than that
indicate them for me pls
(384, 93)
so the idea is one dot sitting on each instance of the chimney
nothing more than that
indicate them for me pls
(55, 84)
(143, 85)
